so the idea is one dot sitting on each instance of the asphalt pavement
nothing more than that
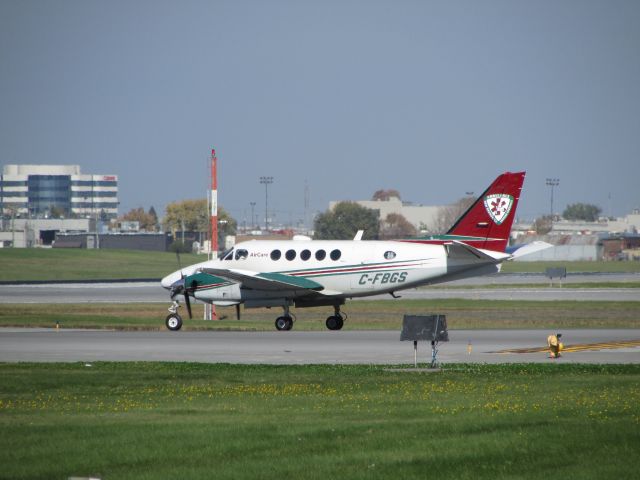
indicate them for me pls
(338, 347)
(496, 287)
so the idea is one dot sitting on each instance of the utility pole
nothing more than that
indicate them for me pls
(266, 181)
(306, 207)
(552, 182)
(253, 219)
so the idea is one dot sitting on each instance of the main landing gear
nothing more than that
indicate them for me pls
(335, 321)
(284, 322)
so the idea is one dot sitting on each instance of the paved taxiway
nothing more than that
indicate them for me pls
(343, 347)
(151, 292)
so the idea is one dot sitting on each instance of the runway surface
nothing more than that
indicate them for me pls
(341, 347)
(151, 292)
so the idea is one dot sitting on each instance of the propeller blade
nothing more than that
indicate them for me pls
(188, 302)
(192, 288)
(179, 263)
(238, 311)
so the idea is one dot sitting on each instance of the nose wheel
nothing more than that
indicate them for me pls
(173, 322)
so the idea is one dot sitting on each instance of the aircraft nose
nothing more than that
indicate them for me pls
(168, 281)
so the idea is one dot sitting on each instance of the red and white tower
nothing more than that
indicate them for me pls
(210, 310)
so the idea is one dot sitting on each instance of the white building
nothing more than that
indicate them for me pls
(42, 191)
(420, 216)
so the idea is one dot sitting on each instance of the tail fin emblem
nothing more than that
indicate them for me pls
(498, 206)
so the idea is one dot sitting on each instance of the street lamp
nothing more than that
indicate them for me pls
(266, 181)
(552, 182)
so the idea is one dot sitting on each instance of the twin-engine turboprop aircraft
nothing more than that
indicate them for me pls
(311, 273)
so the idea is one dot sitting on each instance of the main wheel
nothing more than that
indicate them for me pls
(284, 323)
(173, 322)
(334, 322)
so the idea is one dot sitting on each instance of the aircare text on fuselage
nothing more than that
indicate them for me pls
(382, 278)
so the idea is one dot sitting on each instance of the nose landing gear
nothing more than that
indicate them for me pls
(173, 320)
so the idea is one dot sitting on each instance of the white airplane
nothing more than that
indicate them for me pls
(311, 273)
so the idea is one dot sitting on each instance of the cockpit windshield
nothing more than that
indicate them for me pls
(226, 255)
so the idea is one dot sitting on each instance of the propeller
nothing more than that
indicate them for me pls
(180, 287)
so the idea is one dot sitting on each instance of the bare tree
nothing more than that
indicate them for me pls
(385, 195)
(543, 225)
(448, 215)
(396, 225)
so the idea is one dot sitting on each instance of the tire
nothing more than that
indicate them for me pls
(282, 323)
(334, 322)
(173, 322)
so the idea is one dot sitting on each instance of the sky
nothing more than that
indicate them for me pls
(431, 98)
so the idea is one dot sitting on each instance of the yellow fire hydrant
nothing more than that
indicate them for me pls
(555, 345)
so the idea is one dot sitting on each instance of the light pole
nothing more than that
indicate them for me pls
(266, 181)
(552, 182)
(253, 223)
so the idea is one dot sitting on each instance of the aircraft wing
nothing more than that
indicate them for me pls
(264, 281)
(462, 251)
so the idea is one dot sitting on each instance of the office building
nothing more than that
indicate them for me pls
(46, 191)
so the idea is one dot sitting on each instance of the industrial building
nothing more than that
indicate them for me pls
(47, 191)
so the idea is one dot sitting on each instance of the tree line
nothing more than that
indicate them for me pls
(339, 223)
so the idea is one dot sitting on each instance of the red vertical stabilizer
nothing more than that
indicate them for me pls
(487, 223)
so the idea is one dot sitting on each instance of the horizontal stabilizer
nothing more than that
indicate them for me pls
(528, 248)
(462, 251)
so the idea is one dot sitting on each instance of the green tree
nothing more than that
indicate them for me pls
(343, 222)
(192, 215)
(582, 211)
(226, 226)
(196, 217)
(147, 221)
(396, 226)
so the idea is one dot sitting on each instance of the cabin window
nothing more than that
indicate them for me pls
(290, 255)
(335, 254)
(227, 255)
(241, 254)
(389, 255)
(320, 255)
(276, 254)
(305, 255)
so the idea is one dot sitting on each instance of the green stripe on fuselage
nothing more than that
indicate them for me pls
(205, 279)
(301, 282)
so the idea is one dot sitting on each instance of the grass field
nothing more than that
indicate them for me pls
(199, 421)
(362, 315)
(70, 264)
(21, 264)
(572, 267)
